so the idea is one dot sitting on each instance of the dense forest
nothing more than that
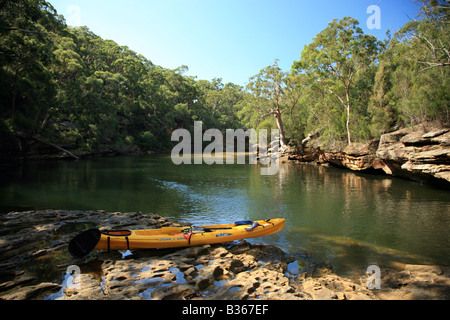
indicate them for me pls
(69, 88)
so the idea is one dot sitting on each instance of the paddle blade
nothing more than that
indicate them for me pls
(84, 243)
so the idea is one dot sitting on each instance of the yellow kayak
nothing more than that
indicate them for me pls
(171, 237)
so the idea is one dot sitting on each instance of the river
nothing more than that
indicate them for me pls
(349, 219)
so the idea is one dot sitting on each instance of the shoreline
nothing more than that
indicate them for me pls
(420, 153)
(36, 241)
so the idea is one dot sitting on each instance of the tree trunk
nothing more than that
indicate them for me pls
(14, 94)
(278, 117)
(347, 93)
(348, 125)
(345, 106)
(281, 128)
(37, 138)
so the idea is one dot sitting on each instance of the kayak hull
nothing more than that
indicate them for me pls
(173, 237)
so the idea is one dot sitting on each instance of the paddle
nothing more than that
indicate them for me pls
(84, 243)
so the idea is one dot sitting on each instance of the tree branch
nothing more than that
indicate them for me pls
(434, 65)
(431, 47)
(37, 138)
(270, 113)
(337, 96)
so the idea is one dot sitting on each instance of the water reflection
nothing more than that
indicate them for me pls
(337, 215)
(361, 220)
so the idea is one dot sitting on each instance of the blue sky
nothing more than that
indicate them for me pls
(228, 39)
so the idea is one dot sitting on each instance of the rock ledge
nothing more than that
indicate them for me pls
(37, 241)
(420, 153)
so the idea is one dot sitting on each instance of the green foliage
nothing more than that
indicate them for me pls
(146, 140)
(335, 60)
(72, 87)
(267, 125)
(267, 96)
(418, 60)
(403, 81)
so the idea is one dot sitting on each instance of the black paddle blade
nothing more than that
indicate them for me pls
(84, 243)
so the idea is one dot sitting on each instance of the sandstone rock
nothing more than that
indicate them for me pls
(174, 292)
(237, 270)
(18, 279)
(258, 283)
(318, 291)
(32, 292)
(436, 133)
(420, 153)
(356, 156)
(415, 282)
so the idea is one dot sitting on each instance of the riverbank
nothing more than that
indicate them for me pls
(420, 153)
(34, 260)
(36, 148)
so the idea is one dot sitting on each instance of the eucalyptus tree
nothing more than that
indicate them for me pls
(335, 56)
(266, 90)
(419, 59)
(27, 30)
(429, 34)
(411, 83)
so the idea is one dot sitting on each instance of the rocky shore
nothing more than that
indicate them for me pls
(34, 261)
(420, 153)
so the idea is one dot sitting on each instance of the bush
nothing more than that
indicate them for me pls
(146, 141)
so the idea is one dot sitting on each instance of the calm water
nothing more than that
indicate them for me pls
(335, 215)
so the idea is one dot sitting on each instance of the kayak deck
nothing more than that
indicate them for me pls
(173, 237)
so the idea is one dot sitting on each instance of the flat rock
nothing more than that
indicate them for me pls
(435, 133)
(237, 270)
(420, 153)
(32, 292)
